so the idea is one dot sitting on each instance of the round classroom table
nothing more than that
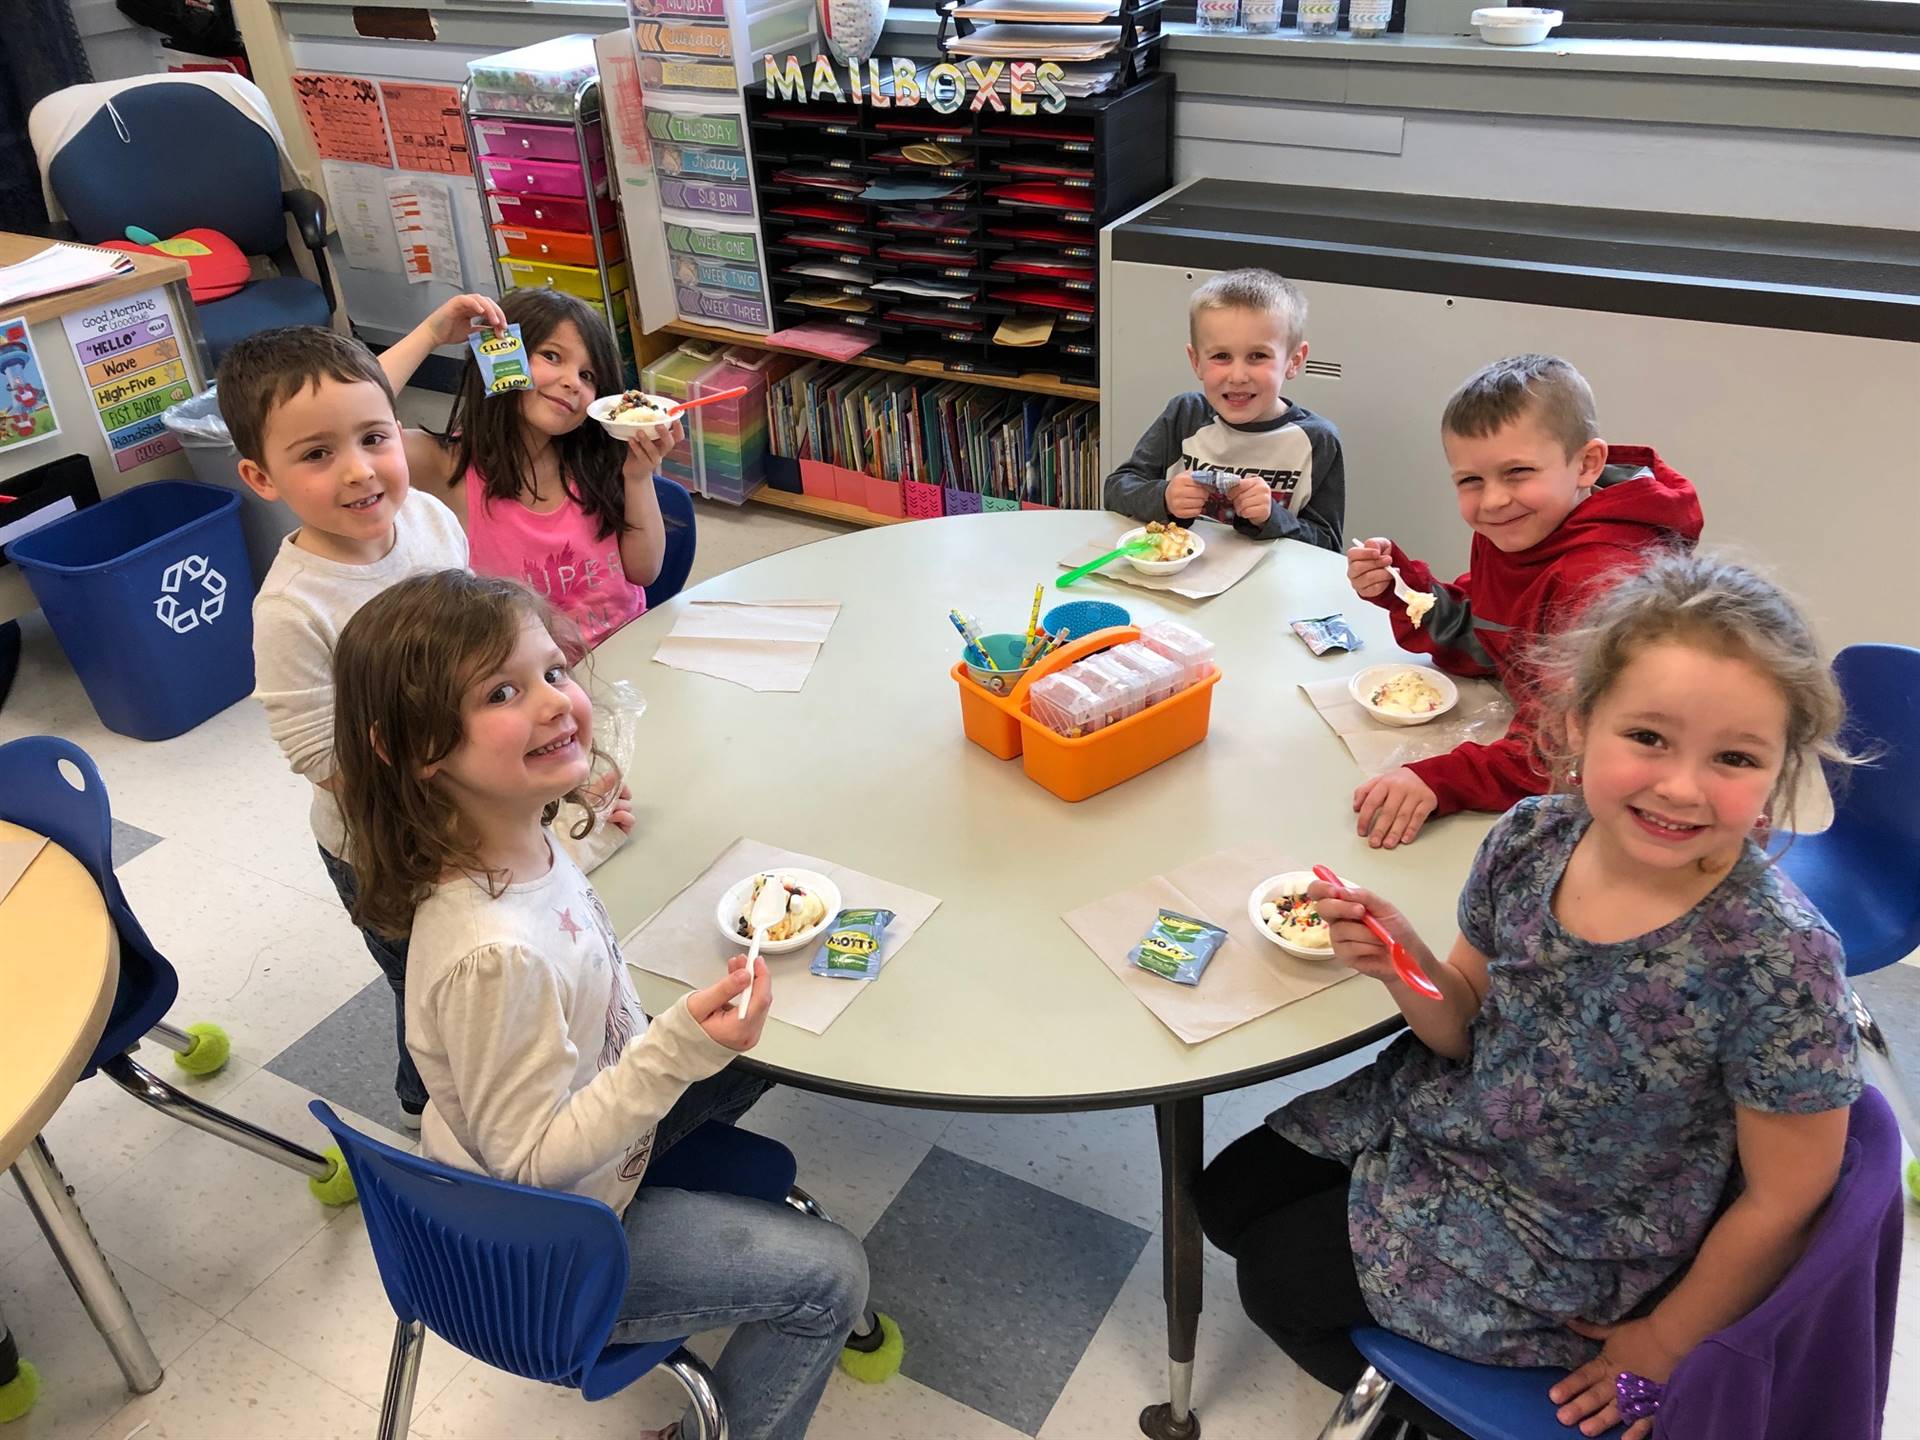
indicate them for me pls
(996, 1005)
(60, 970)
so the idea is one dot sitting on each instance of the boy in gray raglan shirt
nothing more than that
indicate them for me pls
(1279, 472)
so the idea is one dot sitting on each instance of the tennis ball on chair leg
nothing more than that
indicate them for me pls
(870, 1367)
(337, 1188)
(18, 1394)
(211, 1047)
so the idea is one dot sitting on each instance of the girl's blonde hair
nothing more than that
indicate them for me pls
(1713, 604)
(401, 672)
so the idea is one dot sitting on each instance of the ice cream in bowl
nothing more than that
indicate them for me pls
(796, 906)
(1404, 694)
(1282, 913)
(632, 413)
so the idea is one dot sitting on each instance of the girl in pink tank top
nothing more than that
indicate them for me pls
(551, 499)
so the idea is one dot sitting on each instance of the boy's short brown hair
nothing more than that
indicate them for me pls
(264, 371)
(1251, 290)
(1544, 386)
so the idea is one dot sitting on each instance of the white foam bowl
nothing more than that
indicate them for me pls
(1515, 24)
(1289, 882)
(1370, 679)
(728, 910)
(625, 430)
(1196, 548)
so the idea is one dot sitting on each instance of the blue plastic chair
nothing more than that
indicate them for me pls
(676, 509)
(530, 1280)
(1864, 872)
(1491, 1402)
(74, 813)
(128, 166)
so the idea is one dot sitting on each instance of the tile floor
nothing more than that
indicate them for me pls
(1021, 1253)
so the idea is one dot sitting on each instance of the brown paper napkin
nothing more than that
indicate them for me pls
(1247, 978)
(15, 857)
(1229, 558)
(1482, 716)
(763, 645)
(682, 943)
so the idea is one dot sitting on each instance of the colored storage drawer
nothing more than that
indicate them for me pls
(546, 212)
(542, 177)
(581, 280)
(560, 246)
(528, 140)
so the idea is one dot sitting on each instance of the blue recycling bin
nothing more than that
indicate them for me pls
(150, 595)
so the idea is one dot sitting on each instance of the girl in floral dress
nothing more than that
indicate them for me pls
(1539, 1173)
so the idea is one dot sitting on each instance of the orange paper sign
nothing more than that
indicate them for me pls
(427, 133)
(343, 112)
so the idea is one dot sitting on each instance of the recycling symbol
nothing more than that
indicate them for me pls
(180, 613)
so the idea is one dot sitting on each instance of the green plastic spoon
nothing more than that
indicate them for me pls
(1136, 547)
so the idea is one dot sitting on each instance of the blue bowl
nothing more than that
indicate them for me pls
(1083, 617)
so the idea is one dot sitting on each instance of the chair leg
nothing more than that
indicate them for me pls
(403, 1372)
(150, 1089)
(691, 1372)
(1885, 1074)
(1359, 1408)
(869, 1337)
(45, 1190)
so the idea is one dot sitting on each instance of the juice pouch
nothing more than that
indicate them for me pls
(502, 360)
(1326, 632)
(1177, 947)
(852, 951)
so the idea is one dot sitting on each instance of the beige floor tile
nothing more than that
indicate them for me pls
(229, 1386)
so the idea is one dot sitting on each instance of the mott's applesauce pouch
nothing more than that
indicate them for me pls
(1177, 947)
(852, 951)
(502, 360)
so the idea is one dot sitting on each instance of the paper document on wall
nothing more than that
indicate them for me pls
(363, 215)
(423, 224)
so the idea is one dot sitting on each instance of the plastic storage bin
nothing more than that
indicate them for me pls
(732, 434)
(581, 280)
(563, 247)
(672, 375)
(543, 79)
(1186, 647)
(547, 212)
(1074, 767)
(535, 140)
(1165, 678)
(560, 178)
(150, 595)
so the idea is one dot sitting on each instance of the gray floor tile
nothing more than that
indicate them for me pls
(349, 1057)
(1893, 995)
(998, 1285)
(129, 841)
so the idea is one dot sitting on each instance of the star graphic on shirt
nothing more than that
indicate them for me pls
(570, 925)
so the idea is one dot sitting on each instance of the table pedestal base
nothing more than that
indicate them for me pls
(47, 1196)
(1182, 1130)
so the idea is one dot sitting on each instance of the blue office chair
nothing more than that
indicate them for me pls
(1864, 872)
(72, 811)
(676, 509)
(172, 155)
(530, 1280)
(1854, 1250)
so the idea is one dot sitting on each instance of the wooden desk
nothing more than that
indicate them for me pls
(59, 968)
(71, 389)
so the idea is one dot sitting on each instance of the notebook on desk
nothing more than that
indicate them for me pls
(60, 267)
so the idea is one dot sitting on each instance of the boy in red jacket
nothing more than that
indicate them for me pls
(1556, 514)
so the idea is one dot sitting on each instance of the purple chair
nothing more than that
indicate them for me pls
(1811, 1360)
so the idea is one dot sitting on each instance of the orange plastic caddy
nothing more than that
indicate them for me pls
(1073, 769)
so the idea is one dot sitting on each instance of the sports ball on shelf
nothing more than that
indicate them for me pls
(852, 27)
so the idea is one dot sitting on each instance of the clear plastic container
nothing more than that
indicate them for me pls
(732, 434)
(1186, 647)
(673, 376)
(543, 79)
(1122, 692)
(1319, 17)
(1216, 14)
(1260, 17)
(1164, 677)
(1369, 18)
(1065, 706)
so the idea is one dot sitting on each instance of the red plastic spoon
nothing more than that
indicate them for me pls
(1408, 969)
(686, 405)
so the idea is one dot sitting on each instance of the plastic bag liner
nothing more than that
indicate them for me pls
(197, 421)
